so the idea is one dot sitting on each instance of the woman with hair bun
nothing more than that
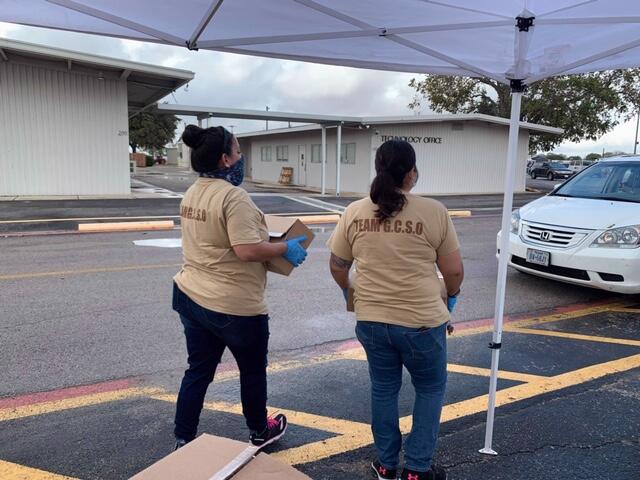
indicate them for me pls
(219, 293)
(397, 240)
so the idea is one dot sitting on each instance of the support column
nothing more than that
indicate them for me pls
(338, 151)
(509, 181)
(323, 154)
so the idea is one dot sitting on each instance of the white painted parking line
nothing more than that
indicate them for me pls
(142, 189)
(160, 242)
(312, 202)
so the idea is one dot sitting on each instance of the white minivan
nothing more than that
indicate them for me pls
(577, 165)
(586, 231)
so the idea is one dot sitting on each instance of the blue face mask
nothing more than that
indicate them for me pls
(233, 174)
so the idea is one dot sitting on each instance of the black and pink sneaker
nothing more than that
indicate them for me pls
(384, 473)
(434, 473)
(276, 426)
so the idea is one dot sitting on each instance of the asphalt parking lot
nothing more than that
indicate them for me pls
(567, 400)
(92, 357)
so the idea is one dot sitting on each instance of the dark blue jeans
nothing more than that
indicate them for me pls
(208, 333)
(423, 352)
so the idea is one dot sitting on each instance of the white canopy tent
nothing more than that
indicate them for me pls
(515, 42)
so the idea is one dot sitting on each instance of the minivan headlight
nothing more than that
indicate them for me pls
(515, 221)
(621, 237)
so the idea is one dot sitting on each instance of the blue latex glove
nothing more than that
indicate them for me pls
(451, 302)
(345, 292)
(296, 253)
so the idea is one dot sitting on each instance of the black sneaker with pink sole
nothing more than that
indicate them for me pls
(384, 473)
(276, 426)
(434, 473)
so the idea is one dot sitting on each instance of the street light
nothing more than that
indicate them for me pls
(267, 126)
(231, 127)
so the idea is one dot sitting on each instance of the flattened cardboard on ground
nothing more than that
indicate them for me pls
(280, 230)
(207, 454)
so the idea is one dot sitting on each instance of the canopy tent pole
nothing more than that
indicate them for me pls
(509, 181)
(324, 160)
(338, 152)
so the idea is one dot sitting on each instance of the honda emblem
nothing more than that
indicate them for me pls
(544, 235)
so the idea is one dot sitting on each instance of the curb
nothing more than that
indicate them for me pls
(125, 226)
(318, 219)
(459, 213)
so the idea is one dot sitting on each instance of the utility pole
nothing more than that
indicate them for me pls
(267, 127)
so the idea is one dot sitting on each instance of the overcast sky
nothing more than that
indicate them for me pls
(237, 81)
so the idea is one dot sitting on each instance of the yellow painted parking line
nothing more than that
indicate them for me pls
(352, 435)
(581, 312)
(13, 413)
(625, 310)
(359, 354)
(358, 436)
(486, 372)
(573, 336)
(13, 471)
(25, 276)
(533, 389)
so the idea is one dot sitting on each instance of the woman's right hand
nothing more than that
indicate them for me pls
(296, 253)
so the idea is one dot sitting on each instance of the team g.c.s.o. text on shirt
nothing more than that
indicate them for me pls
(388, 226)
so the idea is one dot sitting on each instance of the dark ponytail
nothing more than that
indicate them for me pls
(394, 159)
(207, 146)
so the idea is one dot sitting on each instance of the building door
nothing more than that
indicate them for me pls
(302, 165)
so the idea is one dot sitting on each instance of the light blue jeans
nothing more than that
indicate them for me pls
(423, 352)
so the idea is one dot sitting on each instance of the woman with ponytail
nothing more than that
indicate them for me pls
(397, 240)
(219, 293)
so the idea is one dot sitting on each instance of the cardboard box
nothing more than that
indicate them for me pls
(280, 230)
(207, 455)
(443, 294)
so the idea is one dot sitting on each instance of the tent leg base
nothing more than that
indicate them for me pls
(488, 451)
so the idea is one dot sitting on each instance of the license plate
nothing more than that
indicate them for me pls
(538, 257)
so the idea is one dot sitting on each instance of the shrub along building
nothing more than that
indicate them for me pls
(64, 127)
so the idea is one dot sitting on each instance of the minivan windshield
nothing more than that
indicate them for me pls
(619, 181)
(558, 165)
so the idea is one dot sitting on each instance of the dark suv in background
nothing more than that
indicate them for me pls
(549, 169)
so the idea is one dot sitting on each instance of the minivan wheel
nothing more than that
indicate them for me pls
(551, 176)
(533, 175)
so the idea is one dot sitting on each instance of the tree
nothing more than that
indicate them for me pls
(556, 156)
(151, 131)
(592, 156)
(584, 106)
(575, 157)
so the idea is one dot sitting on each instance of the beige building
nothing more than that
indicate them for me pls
(64, 128)
(456, 154)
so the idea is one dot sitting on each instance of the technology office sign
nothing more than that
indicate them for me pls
(412, 139)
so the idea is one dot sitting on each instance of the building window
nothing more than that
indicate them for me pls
(316, 153)
(282, 153)
(265, 154)
(348, 153)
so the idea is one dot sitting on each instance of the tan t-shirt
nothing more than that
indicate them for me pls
(215, 216)
(396, 279)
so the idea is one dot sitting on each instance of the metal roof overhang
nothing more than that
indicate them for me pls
(205, 112)
(146, 84)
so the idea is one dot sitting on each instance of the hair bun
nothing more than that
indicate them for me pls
(193, 136)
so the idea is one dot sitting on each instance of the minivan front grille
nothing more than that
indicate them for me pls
(551, 235)
(553, 269)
